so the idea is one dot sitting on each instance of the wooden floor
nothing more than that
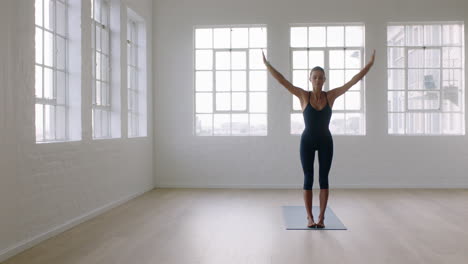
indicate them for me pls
(246, 226)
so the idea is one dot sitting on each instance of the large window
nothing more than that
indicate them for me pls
(230, 81)
(339, 49)
(101, 90)
(426, 78)
(51, 80)
(136, 75)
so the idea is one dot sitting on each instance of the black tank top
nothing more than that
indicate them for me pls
(317, 121)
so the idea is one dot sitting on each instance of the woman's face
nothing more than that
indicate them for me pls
(317, 78)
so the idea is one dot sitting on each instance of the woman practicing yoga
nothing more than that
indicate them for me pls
(317, 111)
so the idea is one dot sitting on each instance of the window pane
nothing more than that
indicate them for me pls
(431, 79)
(239, 81)
(415, 123)
(432, 58)
(349, 74)
(61, 53)
(223, 81)
(452, 57)
(222, 124)
(204, 60)
(49, 122)
(317, 37)
(354, 36)
(452, 93)
(240, 37)
(223, 101)
(396, 80)
(296, 104)
(223, 60)
(297, 123)
(38, 12)
(316, 58)
(240, 124)
(353, 59)
(203, 38)
(222, 38)
(239, 101)
(337, 123)
(432, 100)
(301, 78)
(396, 101)
(38, 81)
(396, 123)
(258, 37)
(339, 103)
(336, 59)
(453, 123)
(258, 81)
(414, 35)
(433, 123)
(60, 123)
(255, 59)
(353, 100)
(61, 86)
(300, 59)
(258, 103)
(416, 100)
(203, 124)
(452, 34)
(239, 60)
(415, 58)
(61, 18)
(98, 93)
(48, 83)
(395, 35)
(298, 37)
(204, 103)
(48, 49)
(258, 124)
(354, 124)
(336, 78)
(39, 122)
(335, 36)
(396, 57)
(39, 47)
(432, 35)
(49, 14)
(415, 79)
(204, 81)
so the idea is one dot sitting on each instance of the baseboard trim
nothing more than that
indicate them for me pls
(28, 243)
(295, 186)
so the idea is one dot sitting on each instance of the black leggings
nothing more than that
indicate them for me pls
(324, 145)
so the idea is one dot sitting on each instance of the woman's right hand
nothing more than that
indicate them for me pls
(264, 59)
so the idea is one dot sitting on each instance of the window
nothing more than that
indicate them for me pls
(101, 90)
(136, 75)
(425, 78)
(52, 106)
(230, 81)
(339, 49)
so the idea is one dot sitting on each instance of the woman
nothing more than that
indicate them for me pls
(316, 109)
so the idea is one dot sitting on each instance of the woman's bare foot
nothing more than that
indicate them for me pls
(320, 223)
(311, 223)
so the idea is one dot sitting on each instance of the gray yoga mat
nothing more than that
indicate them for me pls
(295, 218)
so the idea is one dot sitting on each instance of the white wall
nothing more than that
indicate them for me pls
(374, 160)
(47, 188)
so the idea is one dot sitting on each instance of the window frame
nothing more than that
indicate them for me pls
(52, 102)
(248, 91)
(407, 49)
